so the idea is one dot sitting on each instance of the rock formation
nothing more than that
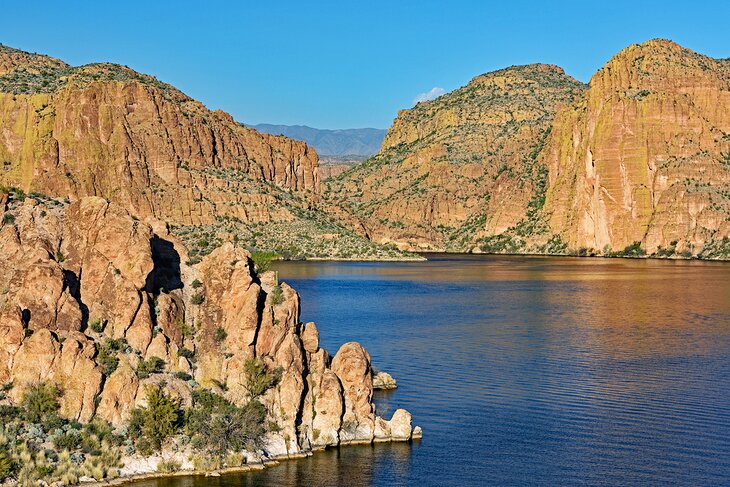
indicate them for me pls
(526, 159)
(644, 155)
(460, 166)
(84, 276)
(106, 130)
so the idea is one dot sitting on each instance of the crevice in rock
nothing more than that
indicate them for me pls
(72, 282)
(302, 398)
(25, 317)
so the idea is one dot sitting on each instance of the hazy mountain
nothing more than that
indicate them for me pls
(357, 142)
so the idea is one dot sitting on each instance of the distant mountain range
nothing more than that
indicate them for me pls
(343, 142)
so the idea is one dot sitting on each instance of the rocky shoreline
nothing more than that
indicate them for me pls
(104, 320)
(147, 469)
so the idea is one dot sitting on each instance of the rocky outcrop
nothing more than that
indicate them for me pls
(384, 381)
(93, 293)
(526, 160)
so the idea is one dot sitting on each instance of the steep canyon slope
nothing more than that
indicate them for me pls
(106, 130)
(528, 160)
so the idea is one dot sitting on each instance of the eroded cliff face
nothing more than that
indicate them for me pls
(461, 166)
(106, 130)
(644, 156)
(84, 275)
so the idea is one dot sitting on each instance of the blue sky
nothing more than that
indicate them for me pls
(345, 64)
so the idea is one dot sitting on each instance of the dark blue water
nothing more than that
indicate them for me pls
(529, 371)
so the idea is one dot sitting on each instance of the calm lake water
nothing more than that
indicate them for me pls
(528, 371)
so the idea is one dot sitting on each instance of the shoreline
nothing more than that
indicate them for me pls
(269, 462)
(425, 253)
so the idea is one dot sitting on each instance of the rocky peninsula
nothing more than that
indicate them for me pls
(119, 358)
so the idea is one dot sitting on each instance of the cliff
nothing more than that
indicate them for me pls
(93, 296)
(644, 155)
(106, 130)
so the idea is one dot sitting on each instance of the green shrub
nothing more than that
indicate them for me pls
(97, 325)
(259, 378)
(168, 466)
(153, 365)
(40, 402)
(158, 421)
(8, 466)
(70, 440)
(182, 375)
(197, 298)
(186, 352)
(262, 260)
(277, 295)
(218, 426)
(196, 284)
(220, 335)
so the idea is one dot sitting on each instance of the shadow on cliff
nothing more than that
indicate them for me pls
(166, 271)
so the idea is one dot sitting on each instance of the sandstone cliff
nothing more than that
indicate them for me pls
(92, 293)
(644, 156)
(106, 130)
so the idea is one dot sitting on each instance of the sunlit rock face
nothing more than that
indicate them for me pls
(643, 156)
(526, 159)
(82, 275)
(461, 166)
(106, 130)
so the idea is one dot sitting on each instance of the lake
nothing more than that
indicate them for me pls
(527, 371)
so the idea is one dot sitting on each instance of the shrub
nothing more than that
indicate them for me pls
(168, 466)
(70, 440)
(154, 365)
(259, 378)
(182, 375)
(196, 284)
(40, 402)
(220, 335)
(219, 426)
(107, 357)
(97, 325)
(59, 256)
(9, 218)
(186, 352)
(8, 467)
(197, 298)
(277, 295)
(262, 260)
(158, 421)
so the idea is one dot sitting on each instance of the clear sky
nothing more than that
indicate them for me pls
(344, 64)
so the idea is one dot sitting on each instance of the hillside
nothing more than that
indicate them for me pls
(115, 353)
(460, 166)
(527, 160)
